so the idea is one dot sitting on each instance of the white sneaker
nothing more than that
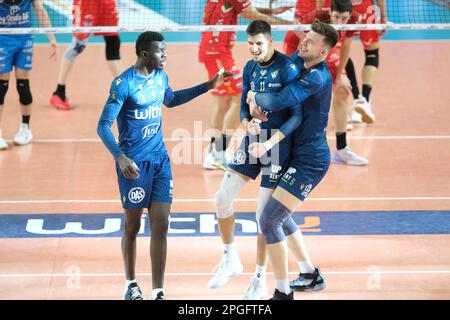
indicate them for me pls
(363, 107)
(347, 156)
(3, 144)
(229, 267)
(356, 117)
(24, 135)
(349, 124)
(257, 289)
(208, 162)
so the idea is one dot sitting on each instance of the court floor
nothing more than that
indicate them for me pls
(377, 232)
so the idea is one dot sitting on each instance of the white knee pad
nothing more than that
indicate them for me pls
(75, 48)
(229, 189)
(263, 196)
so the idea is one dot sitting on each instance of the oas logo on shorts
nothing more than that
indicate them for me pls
(136, 195)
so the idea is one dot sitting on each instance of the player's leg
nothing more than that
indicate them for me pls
(276, 212)
(128, 246)
(230, 264)
(355, 117)
(22, 70)
(159, 221)
(75, 48)
(371, 42)
(112, 51)
(341, 102)
(257, 289)
(4, 84)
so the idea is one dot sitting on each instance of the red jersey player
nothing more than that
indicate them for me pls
(87, 13)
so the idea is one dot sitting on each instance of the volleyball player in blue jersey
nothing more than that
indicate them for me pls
(142, 162)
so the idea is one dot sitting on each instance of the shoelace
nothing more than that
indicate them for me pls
(135, 293)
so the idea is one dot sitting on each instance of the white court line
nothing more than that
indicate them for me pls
(197, 200)
(175, 139)
(196, 274)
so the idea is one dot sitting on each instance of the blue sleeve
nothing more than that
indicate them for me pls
(293, 122)
(245, 110)
(290, 73)
(117, 96)
(173, 99)
(291, 95)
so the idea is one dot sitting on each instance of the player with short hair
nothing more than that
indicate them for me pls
(88, 13)
(142, 162)
(215, 53)
(310, 154)
(268, 71)
(16, 51)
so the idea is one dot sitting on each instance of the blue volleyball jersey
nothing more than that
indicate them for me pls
(136, 102)
(311, 93)
(268, 78)
(16, 16)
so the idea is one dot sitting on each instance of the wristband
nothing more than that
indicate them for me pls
(268, 145)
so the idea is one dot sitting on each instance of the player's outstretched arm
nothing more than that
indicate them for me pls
(44, 21)
(173, 99)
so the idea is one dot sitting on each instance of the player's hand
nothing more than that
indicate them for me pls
(343, 83)
(54, 50)
(383, 20)
(257, 149)
(253, 126)
(257, 112)
(219, 78)
(128, 167)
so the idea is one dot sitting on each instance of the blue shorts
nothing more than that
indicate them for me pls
(302, 176)
(153, 185)
(16, 52)
(272, 164)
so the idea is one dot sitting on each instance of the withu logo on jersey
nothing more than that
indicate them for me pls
(150, 130)
(151, 112)
(136, 195)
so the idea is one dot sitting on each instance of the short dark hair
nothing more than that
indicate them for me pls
(145, 39)
(342, 5)
(257, 27)
(326, 30)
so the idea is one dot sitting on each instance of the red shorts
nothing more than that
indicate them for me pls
(87, 13)
(367, 14)
(213, 62)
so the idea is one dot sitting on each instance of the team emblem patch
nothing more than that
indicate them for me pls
(136, 195)
(239, 157)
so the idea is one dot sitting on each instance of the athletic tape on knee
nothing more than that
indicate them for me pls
(229, 189)
(263, 196)
(4, 84)
(112, 48)
(75, 48)
(23, 88)
(372, 58)
(275, 214)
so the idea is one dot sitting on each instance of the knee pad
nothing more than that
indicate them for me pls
(274, 216)
(289, 226)
(372, 58)
(75, 48)
(263, 196)
(230, 187)
(23, 88)
(112, 48)
(3, 90)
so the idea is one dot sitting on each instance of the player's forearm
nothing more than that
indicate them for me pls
(44, 20)
(276, 101)
(382, 5)
(319, 5)
(276, 138)
(293, 122)
(183, 96)
(107, 137)
(252, 14)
